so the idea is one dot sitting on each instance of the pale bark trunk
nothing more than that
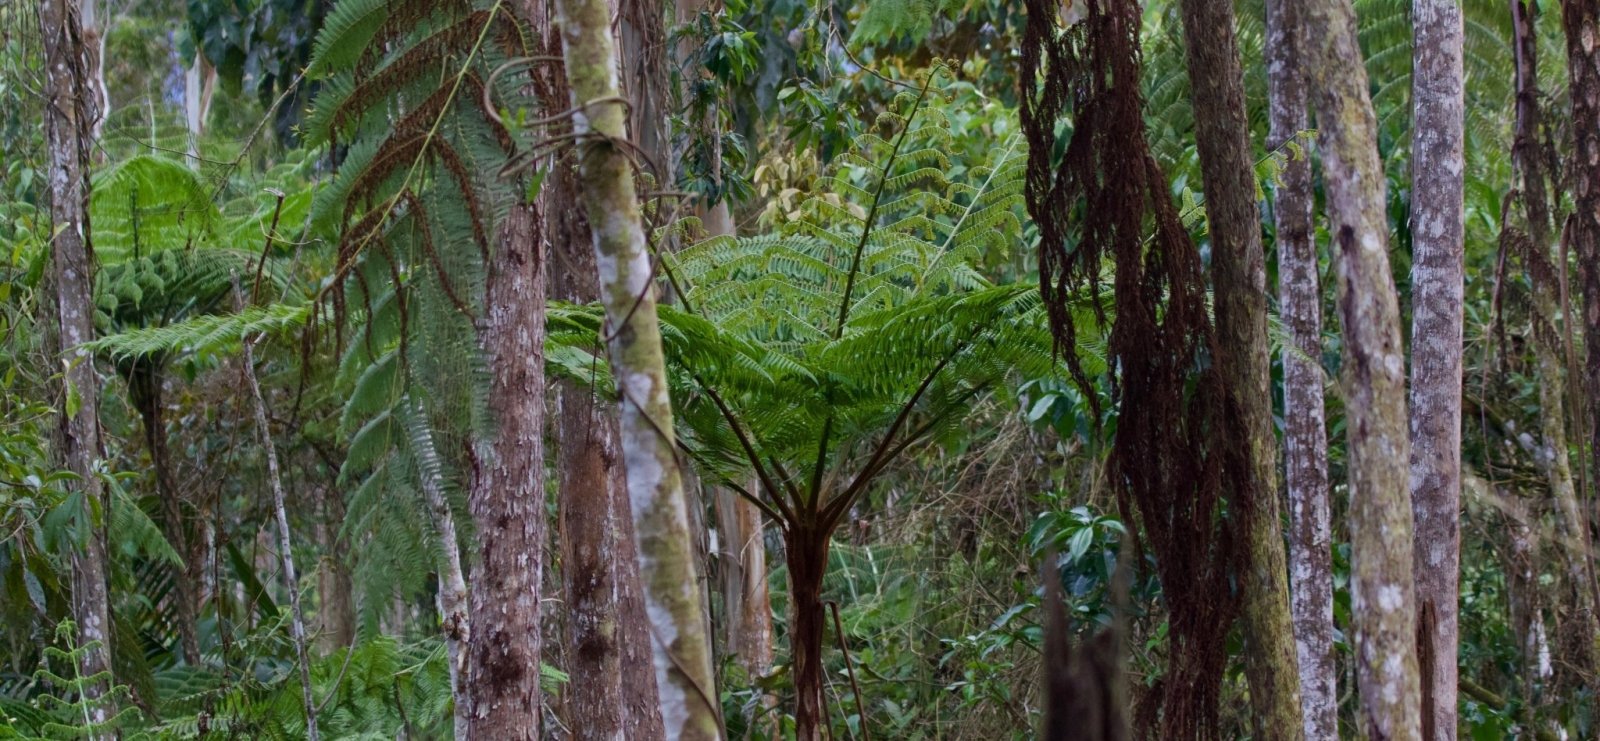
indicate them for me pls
(746, 598)
(454, 615)
(335, 611)
(68, 116)
(198, 83)
(682, 654)
(291, 580)
(1382, 587)
(600, 568)
(94, 54)
(642, 57)
(1222, 135)
(1305, 432)
(1438, 250)
(1581, 19)
(507, 498)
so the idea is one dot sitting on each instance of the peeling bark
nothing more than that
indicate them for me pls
(682, 654)
(507, 497)
(1305, 431)
(1373, 376)
(1222, 135)
(69, 113)
(1438, 254)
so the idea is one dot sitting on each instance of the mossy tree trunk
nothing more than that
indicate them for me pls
(507, 497)
(607, 628)
(1222, 135)
(70, 110)
(1373, 376)
(1438, 254)
(682, 649)
(1305, 433)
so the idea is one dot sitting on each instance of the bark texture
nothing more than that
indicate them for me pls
(745, 593)
(1305, 433)
(1222, 135)
(507, 498)
(682, 655)
(1438, 252)
(1581, 19)
(608, 629)
(144, 379)
(1373, 376)
(69, 112)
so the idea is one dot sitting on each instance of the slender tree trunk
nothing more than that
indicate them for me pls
(645, 80)
(507, 499)
(1581, 19)
(68, 116)
(682, 649)
(291, 578)
(806, 553)
(336, 624)
(746, 597)
(145, 391)
(1305, 432)
(1222, 134)
(93, 35)
(1382, 587)
(198, 83)
(1438, 249)
(600, 566)
(454, 616)
(1544, 268)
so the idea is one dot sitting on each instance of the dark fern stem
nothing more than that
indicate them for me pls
(1102, 195)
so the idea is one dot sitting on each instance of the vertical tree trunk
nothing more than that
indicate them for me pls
(1382, 588)
(1542, 265)
(1305, 434)
(1438, 253)
(507, 499)
(600, 566)
(291, 578)
(68, 117)
(1222, 135)
(682, 650)
(198, 83)
(336, 623)
(746, 597)
(1581, 19)
(454, 613)
(145, 392)
(93, 46)
(806, 553)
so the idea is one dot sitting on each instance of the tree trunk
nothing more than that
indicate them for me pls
(682, 650)
(746, 598)
(600, 568)
(1543, 267)
(454, 616)
(1581, 18)
(1438, 252)
(806, 553)
(1373, 377)
(291, 578)
(93, 48)
(1305, 433)
(507, 499)
(199, 81)
(1222, 135)
(68, 117)
(145, 392)
(336, 621)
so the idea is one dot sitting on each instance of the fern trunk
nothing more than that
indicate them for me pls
(507, 498)
(682, 651)
(145, 392)
(1222, 134)
(1438, 256)
(1373, 376)
(69, 115)
(1305, 433)
(1546, 274)
(806, 552)
(1581, 19)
